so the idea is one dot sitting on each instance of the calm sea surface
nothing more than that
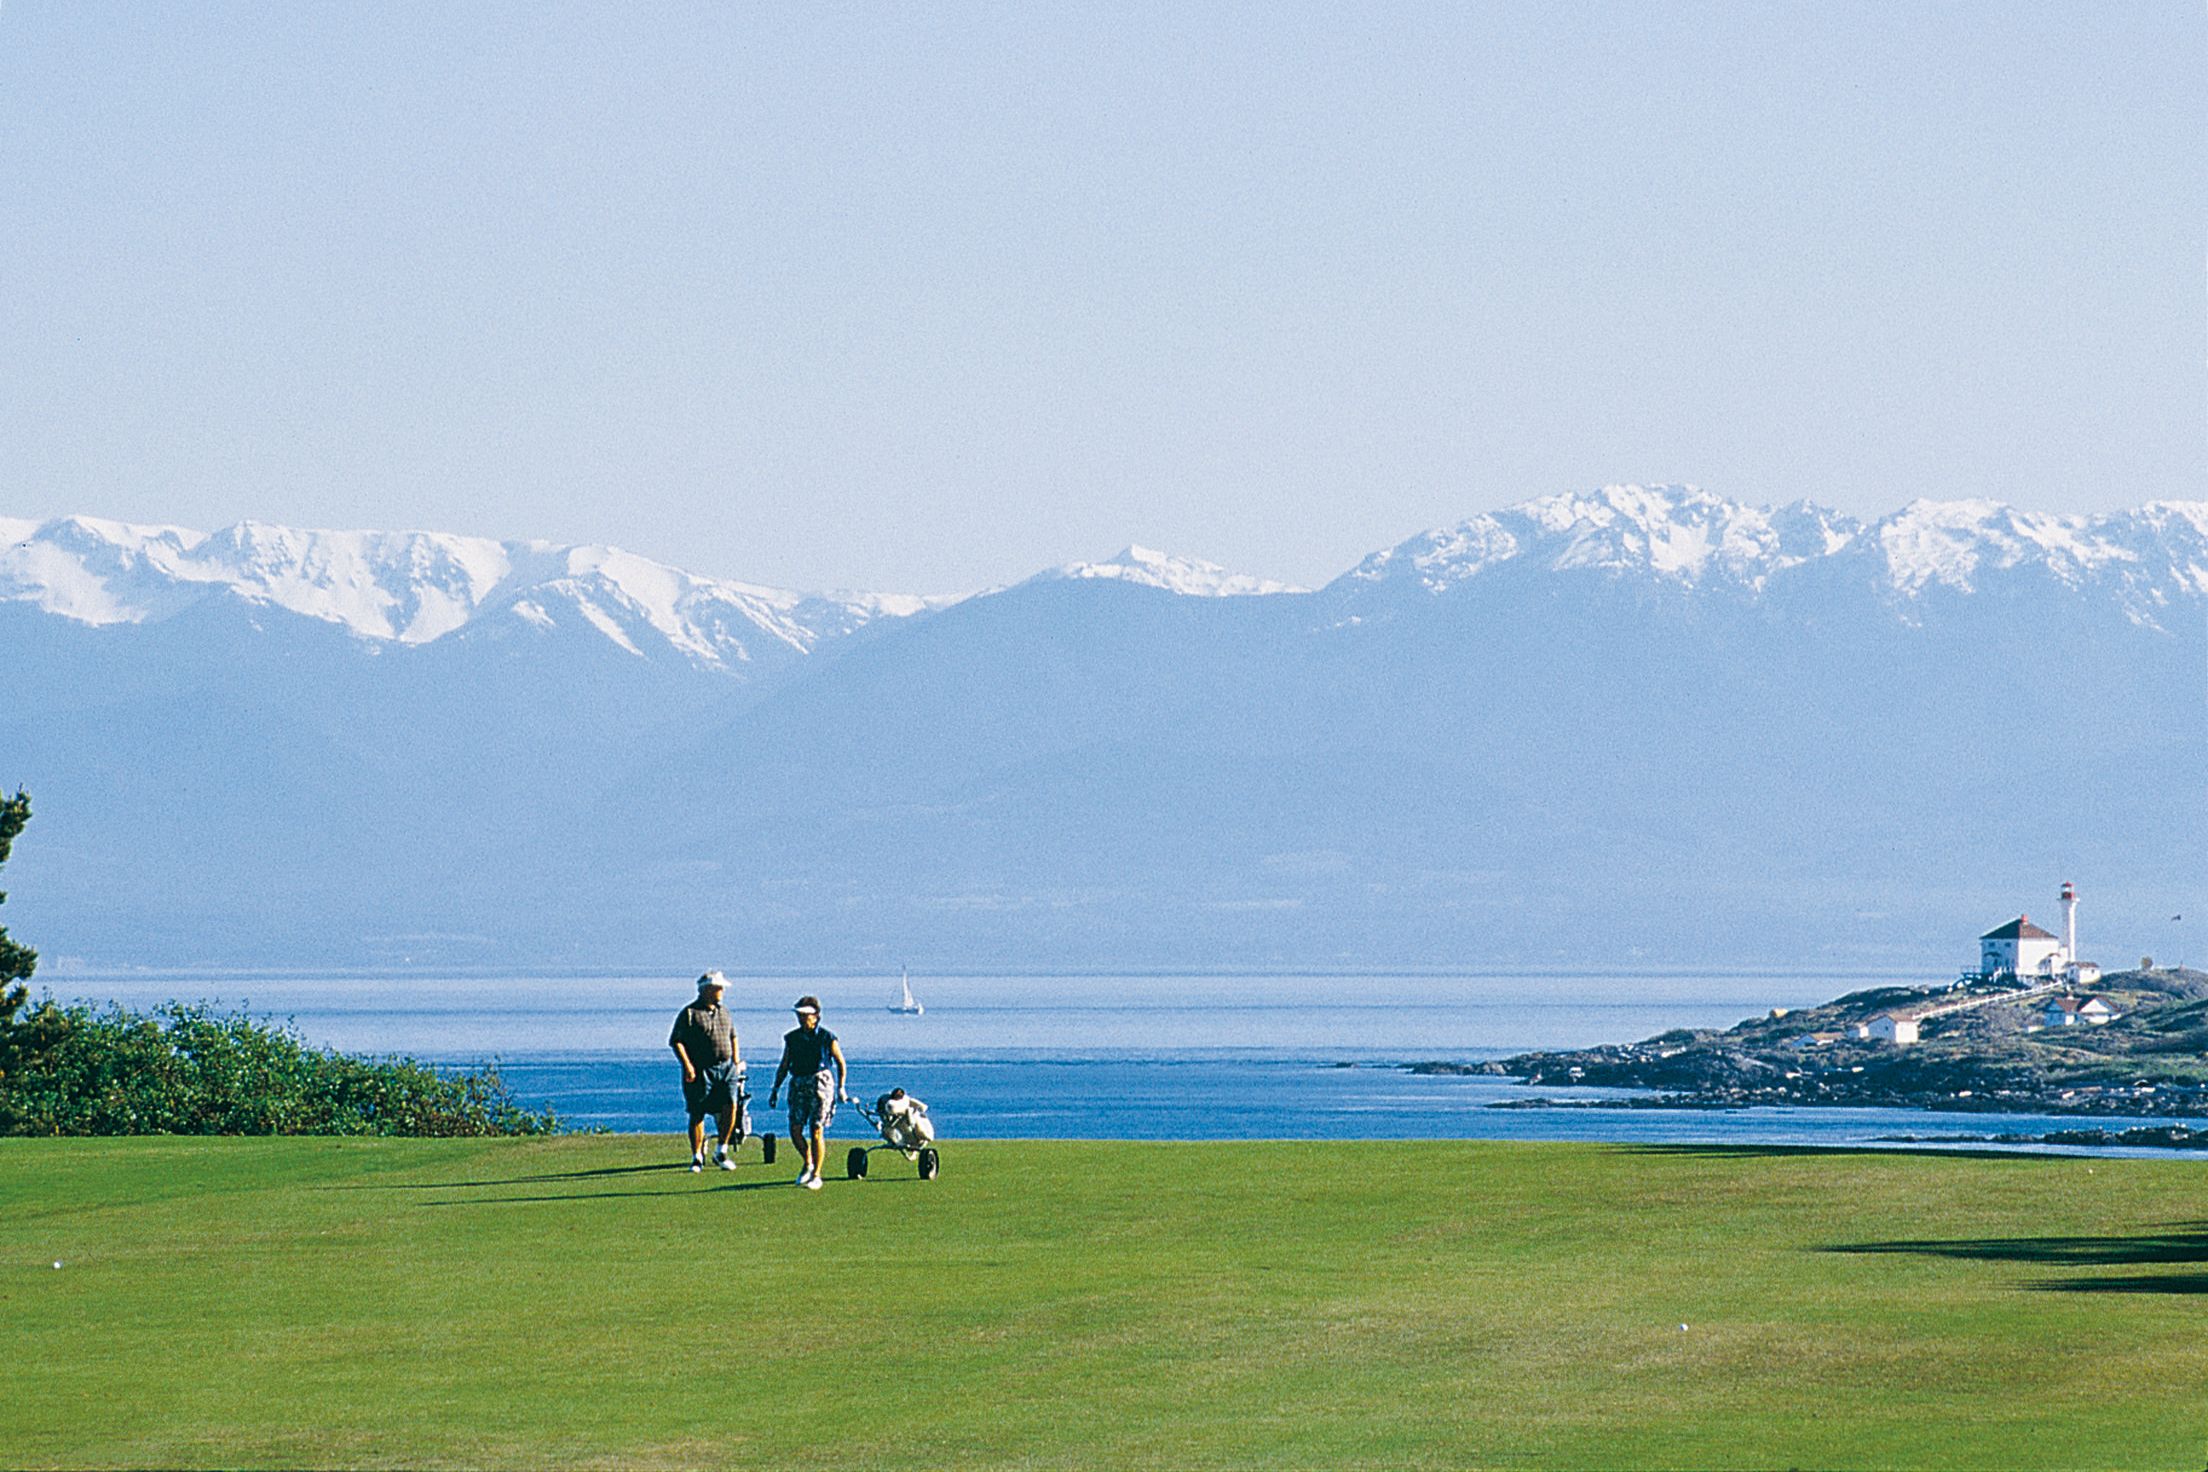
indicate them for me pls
(1100, 1057)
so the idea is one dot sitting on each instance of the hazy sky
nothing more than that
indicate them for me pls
(924, 297)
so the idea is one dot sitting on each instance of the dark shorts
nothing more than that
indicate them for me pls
(713, 1091)
(812, 1102)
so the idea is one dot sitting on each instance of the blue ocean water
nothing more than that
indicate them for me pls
(1096, 1057)
(1228, 1098)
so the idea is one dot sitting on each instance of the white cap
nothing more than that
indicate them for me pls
(711, 978)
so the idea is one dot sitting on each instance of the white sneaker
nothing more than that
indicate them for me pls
(804, 1178)
(812, 1183)
(723, 1161)
(697, 1163)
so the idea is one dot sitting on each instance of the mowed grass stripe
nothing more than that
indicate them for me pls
(587, 1301)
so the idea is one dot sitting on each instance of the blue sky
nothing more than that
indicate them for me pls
(927, 297)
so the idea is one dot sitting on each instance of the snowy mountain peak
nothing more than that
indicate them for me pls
(2143, 558)
(1686, 538)
(416, 587)
(1679, 534)
(1185, 575)
(1950, 542)
(408, 586)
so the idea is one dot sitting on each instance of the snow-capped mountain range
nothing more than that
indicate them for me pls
(416, 587)
(1523, 738)
(1188, 576)
(1675, 533)
(2147, 557)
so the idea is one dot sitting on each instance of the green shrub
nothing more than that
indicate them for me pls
(17, 961)
(189, 1070)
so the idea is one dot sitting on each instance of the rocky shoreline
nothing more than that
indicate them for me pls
(1992, 1057)
(2153, 1137)
(2164, 1100)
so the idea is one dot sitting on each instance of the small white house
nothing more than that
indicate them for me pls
(2071, 1011)
(2020, 949)
(1893, 1027)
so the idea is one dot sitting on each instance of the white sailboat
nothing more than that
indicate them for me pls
(907, 1003)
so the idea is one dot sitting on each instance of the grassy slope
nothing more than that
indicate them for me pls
(262, 1302)
(2159, 1034)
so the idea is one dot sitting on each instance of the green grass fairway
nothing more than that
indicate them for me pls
(586, 1301)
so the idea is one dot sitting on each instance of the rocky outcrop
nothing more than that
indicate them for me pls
(1994, 1056)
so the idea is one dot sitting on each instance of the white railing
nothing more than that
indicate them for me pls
(1969, 1002)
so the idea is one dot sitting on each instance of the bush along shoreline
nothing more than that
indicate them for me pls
(189, 1069)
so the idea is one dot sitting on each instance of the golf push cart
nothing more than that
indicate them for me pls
(767, 1141)
(904, 1126)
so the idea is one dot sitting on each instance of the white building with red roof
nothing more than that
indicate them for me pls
(2020, 949)
(2028, 953)
(2072, 1011)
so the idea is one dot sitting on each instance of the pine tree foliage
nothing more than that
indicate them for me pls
(22, 1036)
(17, 961)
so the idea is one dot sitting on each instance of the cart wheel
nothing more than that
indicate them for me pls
(854, 1164)
(930, 1162)
(767, 1144)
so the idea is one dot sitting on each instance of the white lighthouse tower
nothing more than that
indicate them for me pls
(2075, 971)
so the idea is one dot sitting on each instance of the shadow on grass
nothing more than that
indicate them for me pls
(2188, 1285)
(779, 1183)
(2185, 1242)
(542, 1179)
(701, 1190)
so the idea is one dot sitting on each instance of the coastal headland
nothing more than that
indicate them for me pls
(1981, 1046)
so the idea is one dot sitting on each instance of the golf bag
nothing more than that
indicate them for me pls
(903, 1121)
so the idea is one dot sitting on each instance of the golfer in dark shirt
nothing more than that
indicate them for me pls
(812, 1060)
(704, 1040)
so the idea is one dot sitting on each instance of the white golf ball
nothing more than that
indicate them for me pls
(1682, 1328)
(57, 1264)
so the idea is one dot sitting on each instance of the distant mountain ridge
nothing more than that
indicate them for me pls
(2148, 557)
(1675, 533)
(1518, 739)
(1188, 576)
(413, 587)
